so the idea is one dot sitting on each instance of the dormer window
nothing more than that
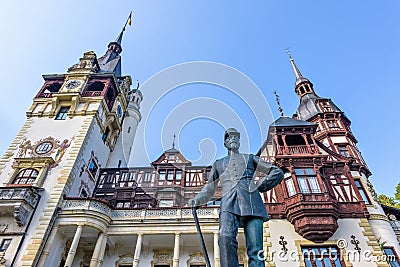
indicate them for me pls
(326, 107)
(332, 124)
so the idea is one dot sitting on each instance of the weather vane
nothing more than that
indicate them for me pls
(278, 102)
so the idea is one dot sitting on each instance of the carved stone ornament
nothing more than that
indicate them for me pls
(162, 256)
(196, 258)
(372, 190)
(20, 214)
(125, 259)
(88, 62)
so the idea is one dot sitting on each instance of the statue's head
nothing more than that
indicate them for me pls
(232, 139)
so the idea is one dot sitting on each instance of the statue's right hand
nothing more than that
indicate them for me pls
(194, 203)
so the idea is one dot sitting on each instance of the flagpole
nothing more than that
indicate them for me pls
(129, 18)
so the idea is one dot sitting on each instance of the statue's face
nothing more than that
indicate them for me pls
(232, 142)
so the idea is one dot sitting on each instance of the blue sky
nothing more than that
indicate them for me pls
(348, 49)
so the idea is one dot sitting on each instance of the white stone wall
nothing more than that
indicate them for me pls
(347, 228)
(124, 144)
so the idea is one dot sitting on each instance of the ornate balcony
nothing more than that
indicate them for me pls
(314, 216)
(19, 202)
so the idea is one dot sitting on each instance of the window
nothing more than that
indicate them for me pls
(332, 124)
(171, 156)
(343, 151)
(5, 244)
(290, 187)
(216, 202)
(96, 86)
(178, 175)
(52, 88)
(170, 176)
(129, 129)
(321, 257)
(208, 174)
(326, 106)
(132, 176)
(84, 193)
(105, 135)
(166, 203)
(391, 257)
(307, 180)
(362, 192)
(62, 114)
(93, 167)
(26, 176)
(147, 176)
(161, 176)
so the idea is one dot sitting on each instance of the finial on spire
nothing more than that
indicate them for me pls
(173, 143)
(297, 73)
(278, 102)
(296, 70)
(129, 22)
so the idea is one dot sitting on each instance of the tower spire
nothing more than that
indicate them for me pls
(111, 60)
(119, 37)
(302, 86)
(297, 73)
(279, 104)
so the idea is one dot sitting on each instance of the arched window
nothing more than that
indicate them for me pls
(26, 176)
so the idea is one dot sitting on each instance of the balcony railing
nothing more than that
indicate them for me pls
(296, 150)
(12, 195)
(44, 95)
(178, 213)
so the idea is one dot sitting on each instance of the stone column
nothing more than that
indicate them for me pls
(74, 246)
(216, 250)
(94, 262)
(102, 250)
(138, 250)
(47, 247)
(175, 261)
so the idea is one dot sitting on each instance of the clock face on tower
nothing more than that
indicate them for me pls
(72, 84)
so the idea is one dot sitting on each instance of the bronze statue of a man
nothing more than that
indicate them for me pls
(241, 203)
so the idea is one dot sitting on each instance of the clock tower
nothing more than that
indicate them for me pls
(79, 122)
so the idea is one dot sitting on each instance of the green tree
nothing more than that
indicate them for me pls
(391, 201)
